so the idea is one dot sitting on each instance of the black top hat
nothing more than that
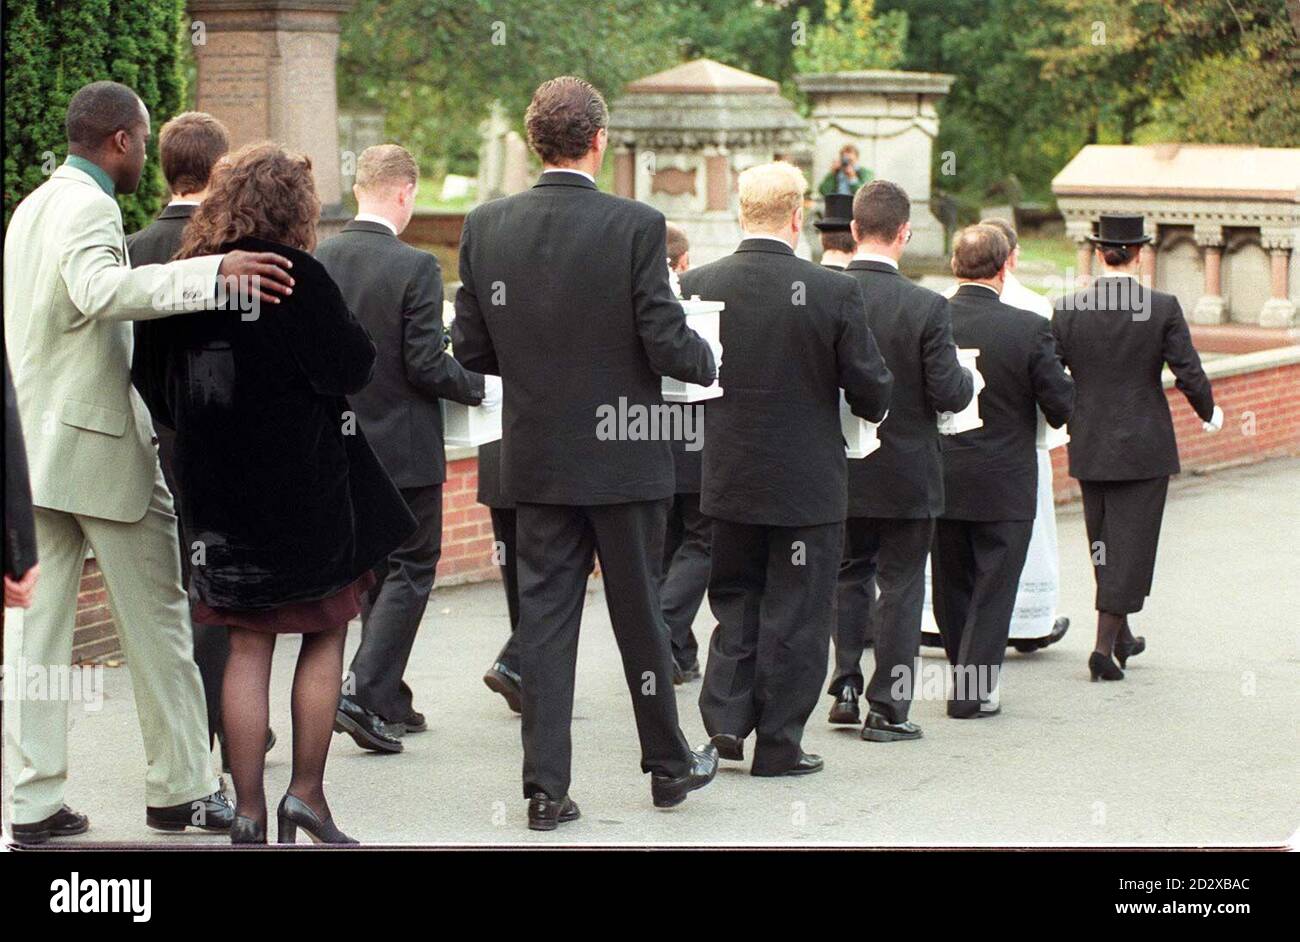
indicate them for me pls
(838, 215)
(1120, 229)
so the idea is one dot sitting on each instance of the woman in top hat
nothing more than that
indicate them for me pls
(837, 240)
(1115, 336)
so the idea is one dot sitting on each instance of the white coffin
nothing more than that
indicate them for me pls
(954, 423)
(701, 317)
(470, 426)
(860, 436)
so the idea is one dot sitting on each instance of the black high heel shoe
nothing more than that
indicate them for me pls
(1125, 650)
(1103, 668)
(293, 813)
(247, 831)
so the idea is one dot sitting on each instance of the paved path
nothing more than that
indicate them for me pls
(1198, 745)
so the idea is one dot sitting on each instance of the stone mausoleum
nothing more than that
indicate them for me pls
(680, 138)
(1226, 220)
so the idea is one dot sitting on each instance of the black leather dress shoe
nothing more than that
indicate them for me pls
(879, 728)
(684, 675)
(981, 712)
(546, 814)
(845, 711)
(807, 765)
(213, 813)
(729, 747)
(1126, 650)
(63, 823)
(413, 722)
(501, 679)
(368, 730)
(667, 792)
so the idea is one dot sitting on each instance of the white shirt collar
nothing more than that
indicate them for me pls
(581, 173)
(1120, 274)
(873, 257)
(978, 284)
(371, 217)
(183, 203)
(763, 235)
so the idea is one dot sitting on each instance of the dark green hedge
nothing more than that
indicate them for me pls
(52, 48)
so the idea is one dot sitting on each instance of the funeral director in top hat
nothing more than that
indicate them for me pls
(1115, 336)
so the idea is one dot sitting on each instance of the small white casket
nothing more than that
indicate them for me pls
(470, 426)
(954, 423)
(701, 317)
(860, 438)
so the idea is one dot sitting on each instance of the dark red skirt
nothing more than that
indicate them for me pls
(300, 618)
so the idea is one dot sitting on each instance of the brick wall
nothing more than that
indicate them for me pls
(1259, 393)
(95, 637)
(466, 524)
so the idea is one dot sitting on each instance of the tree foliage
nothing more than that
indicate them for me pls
(852, 37)
(52, 48)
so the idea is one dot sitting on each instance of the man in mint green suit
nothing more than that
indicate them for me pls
(69, 297)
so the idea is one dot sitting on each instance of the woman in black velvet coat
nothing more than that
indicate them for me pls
(286, 507)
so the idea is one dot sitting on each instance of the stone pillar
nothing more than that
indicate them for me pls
(1079, 230)
(625, 172)
(266, 70)
(1147, 273)
(1279, 309)
(717, 172)
(893, 119)
(1210, 307)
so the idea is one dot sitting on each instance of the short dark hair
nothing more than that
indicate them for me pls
(1003, 227)
(98, 111)
(880, 208)
(678, 244)
(562, 118)
(189, 146)
(837, 240)
(979, 251)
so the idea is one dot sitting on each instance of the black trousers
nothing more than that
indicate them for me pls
(976, 573)
(686, 573)
(556, 543)
(1123, 522)
(895, 550)
(503, 533)
(855, 596)
(773, 592)
(392, 611)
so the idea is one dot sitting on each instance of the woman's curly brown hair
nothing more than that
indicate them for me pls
(263, 191)
(562, 118)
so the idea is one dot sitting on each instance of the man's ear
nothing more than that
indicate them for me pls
(853, 231)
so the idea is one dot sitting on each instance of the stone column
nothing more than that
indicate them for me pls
(625, 171)
(1210, 307)
(1279, 309)
(1148, 263)
(266, 69)
(1079, 230)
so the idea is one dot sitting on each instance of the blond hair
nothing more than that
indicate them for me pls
(769, 195)
(383, 166)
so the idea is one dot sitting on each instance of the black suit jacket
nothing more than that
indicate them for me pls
(395, 291)
(793, 333)
(1115, 336)
(991, 473)
(903, 478)
(20, 520)
(156, 244)
(287, 498)
(565, 294)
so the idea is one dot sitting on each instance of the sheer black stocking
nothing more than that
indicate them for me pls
(245, 710)
(315, 701)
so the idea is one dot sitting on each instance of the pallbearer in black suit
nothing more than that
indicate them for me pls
(793, 333)
(990, 474)
(395, 291)
(896, 492)
(834, 227)
(565, 295)
(689, 535)
(190, 146)
(1116, 336)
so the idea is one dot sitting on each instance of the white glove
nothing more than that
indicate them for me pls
(491, 392)
(1216, 421)
(977, 378)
